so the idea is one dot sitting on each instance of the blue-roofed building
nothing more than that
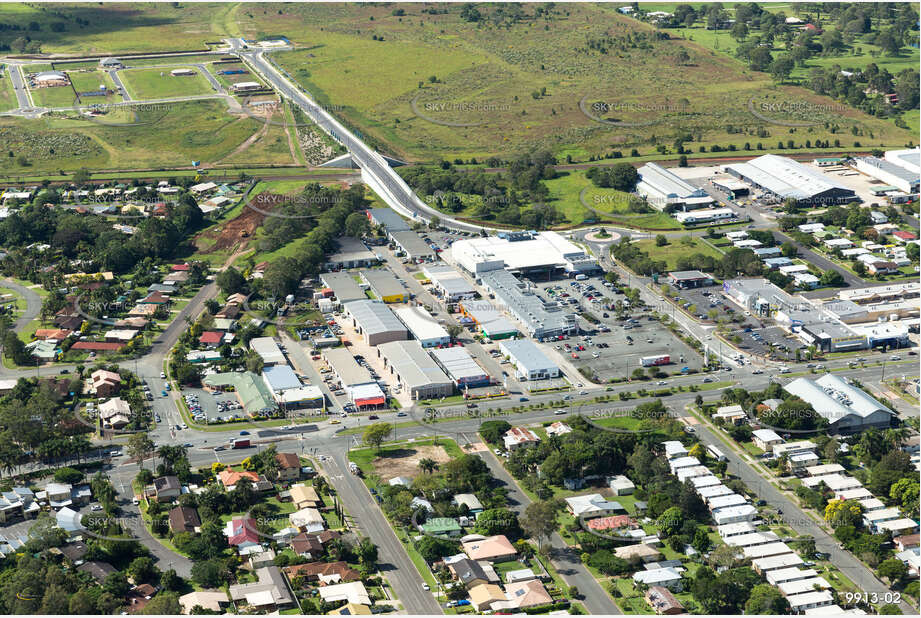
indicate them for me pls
(280, 378)
(776, 262)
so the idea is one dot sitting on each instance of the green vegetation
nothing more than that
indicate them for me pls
(676, 249)
(513, 80)
(159, 83)
(175, 134)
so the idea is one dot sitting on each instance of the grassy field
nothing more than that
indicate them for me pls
(677, 248)
(58, 96)
(7, 95)
(118, 27)
(498, 74)
(176, 135)
(159, 84)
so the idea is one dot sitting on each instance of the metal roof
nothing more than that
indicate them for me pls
(526, 353)
(374, 317)
(343, 364)
(659, 182)
(421, 323)
(415, 367)
(383, 282)
(458, 363)
(785, 177)
(344, 286)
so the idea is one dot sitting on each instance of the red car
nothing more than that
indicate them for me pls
(314, 358)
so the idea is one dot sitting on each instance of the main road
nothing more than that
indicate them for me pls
(375, 169)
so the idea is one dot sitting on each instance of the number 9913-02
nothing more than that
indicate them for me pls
(872, 597)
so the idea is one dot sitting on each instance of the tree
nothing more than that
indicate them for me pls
(357, 225)
(843, 513)
(831, 278)
(454, 331)
(427, 465)
(892, 569)
(499, 521)
(230, 281)
(433, 548)
(142, 570)
(140, 447)
(164, 604)
(492, 431)
(539, 519)
(766, 599)
(375, 434)
(670, 521)
(782, 67)
(890, 609)
(208, 573)
(661, 240)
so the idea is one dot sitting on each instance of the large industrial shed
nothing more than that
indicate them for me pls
(415, 370)
(540, 319)
(412, 245)
(268, 350)
(351, 253)
(387, 218)
(428, 332)
(450, 284)
(375, 321)
(460, 366)
(847, 408)
(488, 319)
(888, 172)
(385, 285)
(529, 360)
(361, 388)
(664, 190)
(344, 286)
(788, 179)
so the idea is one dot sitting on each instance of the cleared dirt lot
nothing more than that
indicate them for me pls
(405, 461)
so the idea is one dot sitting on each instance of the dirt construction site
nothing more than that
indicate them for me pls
(405, 461)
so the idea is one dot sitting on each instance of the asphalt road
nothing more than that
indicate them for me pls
(33, 303)
(822, 262)
(564, 559)
(393, 561)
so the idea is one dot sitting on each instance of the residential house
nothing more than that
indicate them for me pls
(483, 596)
(167, 488)
(592, 505)
(765, 439)
(269, 592)
(558, 428)
(353, 592)
(324, 572)
(517, 437)
(305, 496)
(242, 532)
(621, 485)
(441, 526)
(662, 601)
(262, 559)
(730, 414)
(213, 600)
(523, 595)
(289, 466)
(641, 551)
(470, 501)
(229, 478)
(470, 573)
(105, 383)
(115, 413)
(184, 519)
(495, 549)
(97, 569)
(308, 519)
(667, 577)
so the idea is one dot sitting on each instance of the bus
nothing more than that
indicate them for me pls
(716, 453)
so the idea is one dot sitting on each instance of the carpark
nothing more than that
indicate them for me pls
(758, 341)
(703, 301)
(207, 407)
(613, 355)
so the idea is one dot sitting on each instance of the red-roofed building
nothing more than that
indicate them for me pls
(229, 478)
(242, 531)
(155, 298)
(178, 267)
(904, 236)
(211, 338)
(612, 522)
(97, 346)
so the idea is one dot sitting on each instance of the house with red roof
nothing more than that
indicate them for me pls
(180, 267)
(211, 338)
(904, 237)
(242, 532)
(229, 478)
(155, 298)
(97, 346)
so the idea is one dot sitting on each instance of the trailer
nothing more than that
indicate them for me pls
(240, 443)
(716, 453)
(654, 361)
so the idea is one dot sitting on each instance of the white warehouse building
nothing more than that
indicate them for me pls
(530, 362)
(423, 326)
(846, 408)
(708, 215)
(663, 189)
(521, 252)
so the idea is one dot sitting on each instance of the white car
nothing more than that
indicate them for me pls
(560, 411)
(163, 375)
